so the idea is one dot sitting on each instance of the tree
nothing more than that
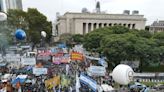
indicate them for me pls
(119, 44)
(78, 38)
(66, 38)
(32, 21)
(37, 23)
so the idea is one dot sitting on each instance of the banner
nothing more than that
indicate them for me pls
(103, 62)
(96, 71)
(88, 81)
(39, 71)
(61, 59)
(50, 83)
(13, 57)
(56, 60)
(76, 56)
(44, 53)
(28, 61)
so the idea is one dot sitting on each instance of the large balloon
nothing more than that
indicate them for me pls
(3, 16)
(20, 34)
(122, 74)
(43, 33)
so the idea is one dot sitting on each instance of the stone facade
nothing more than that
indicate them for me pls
(82, 23)
(157, 26)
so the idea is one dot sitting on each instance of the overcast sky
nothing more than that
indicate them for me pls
(152, 9)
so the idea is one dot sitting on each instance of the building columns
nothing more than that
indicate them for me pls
(92, 26)
(86, 28)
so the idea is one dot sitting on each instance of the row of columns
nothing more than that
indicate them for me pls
(87, 27)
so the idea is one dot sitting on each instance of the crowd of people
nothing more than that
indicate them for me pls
(64, 74)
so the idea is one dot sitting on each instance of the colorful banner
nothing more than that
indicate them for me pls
(76, 56)
(50, 83)
(56, 60)
(44, 53)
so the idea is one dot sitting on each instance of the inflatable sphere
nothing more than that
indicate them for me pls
(20, 34)
(3, 16)
(43, 33)
(122, 74)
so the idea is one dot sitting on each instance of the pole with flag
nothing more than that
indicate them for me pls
(77, 83)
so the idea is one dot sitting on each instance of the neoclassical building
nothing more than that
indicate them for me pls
(82, 23)
(157, 26)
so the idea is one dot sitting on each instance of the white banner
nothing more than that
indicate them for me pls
(13, 57)
(28, 61)
(39, 71)
(96, 71)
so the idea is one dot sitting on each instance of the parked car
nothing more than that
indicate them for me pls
(138, 87)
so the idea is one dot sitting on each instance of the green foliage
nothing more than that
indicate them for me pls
(66, 38)
(147, 68)
(120, 43)
(32, 21)
(78, 38)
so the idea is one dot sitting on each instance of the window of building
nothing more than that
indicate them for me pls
(120, 24)
(133, 26)
(124, 25)
(110, 24)
(100, 25)
(129, 25)
(105, 24)
(84, 28)
(115, 24)
(94, 26)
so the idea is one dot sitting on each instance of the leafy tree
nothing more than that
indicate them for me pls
(37, 23)
(66, 38)
(32, 21)
(78, 38)
(119, 43)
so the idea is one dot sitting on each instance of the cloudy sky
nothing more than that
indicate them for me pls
(152, 9)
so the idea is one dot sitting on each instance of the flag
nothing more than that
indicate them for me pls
(76, 56)
(77, 83)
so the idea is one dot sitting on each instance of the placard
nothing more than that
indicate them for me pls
(39, 71)
(96, 71)
(28, 61)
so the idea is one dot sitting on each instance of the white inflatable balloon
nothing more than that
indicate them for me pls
(122, 74)
(43, 33)
(3, 16)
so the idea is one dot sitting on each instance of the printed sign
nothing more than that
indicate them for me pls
(28, 61)
(39, 71)
(96, 71)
